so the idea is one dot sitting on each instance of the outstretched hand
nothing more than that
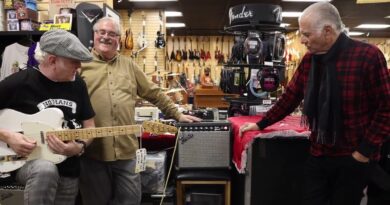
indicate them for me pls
(248, 127)
(189, 118)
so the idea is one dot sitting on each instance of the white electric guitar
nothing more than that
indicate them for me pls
(49, 121)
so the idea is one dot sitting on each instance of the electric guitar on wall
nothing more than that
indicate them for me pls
(49, 122)
(129, 35)
(160, 40)
(141, 40)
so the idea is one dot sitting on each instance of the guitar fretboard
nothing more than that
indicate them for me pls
(89, 133)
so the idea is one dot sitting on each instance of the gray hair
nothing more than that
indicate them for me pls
(112, 20)
(39, 54)
(324, 13)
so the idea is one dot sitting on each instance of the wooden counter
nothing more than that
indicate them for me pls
(211, 97)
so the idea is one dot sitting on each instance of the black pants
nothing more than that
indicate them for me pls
(379, 194)
(334, 181)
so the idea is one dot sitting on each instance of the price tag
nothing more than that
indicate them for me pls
(140, 164)
(267, 102)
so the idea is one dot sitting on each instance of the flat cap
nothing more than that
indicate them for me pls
(65, 44)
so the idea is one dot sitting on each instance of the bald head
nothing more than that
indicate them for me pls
(321, 14)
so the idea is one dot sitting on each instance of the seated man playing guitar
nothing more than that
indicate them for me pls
(54, 85)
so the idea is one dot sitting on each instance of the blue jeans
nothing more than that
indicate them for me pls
(109, 183)
(44, 186)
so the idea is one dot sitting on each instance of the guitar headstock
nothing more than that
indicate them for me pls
(155, 127)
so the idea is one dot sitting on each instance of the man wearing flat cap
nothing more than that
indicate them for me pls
(53, 84)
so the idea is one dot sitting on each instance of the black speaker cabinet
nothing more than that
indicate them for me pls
(274, 174)
(206, 199)
(204, 144)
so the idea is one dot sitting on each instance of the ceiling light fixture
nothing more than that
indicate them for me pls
(284, 24)
(355, 33)
(173, 13)
(175, 25)
(292, 14)
(388, 17)
(305, 0)
(373, 26)
(150, 0)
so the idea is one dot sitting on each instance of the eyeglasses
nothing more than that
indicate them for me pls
(103, 32)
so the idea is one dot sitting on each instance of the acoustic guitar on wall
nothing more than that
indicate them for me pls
(129, 35)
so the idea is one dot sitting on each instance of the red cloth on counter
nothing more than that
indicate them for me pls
(288, 127)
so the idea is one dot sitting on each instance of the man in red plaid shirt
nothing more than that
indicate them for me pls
(345, 85)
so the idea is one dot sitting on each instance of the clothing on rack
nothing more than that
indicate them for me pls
(14, 58)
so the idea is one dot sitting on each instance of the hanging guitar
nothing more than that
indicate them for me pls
(142, 42)
(217, 52)
(191, 52)
(178, 52)
(196, 51)
(160, 41)
(184, 51)
(208, 54)
(49, 122)
(221, 57)
(129, 35)
(202, 51)
(172, 56)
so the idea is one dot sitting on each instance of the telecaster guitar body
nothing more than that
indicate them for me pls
(49, 121)
(33, 126)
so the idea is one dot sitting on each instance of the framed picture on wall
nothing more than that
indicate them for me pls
(63, 18)
(110, 12)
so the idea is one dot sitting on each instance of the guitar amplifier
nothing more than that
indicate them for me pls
(205, 144)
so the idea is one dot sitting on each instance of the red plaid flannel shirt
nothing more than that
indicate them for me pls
(365, 81)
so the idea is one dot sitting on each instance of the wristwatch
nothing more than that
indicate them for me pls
(84, 145)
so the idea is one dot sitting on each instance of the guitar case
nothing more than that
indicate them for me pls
(87, 15)
(255, 14)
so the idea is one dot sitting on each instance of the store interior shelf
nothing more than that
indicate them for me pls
(244, 28)
(20, 33)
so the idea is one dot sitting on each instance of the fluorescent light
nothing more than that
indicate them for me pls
(291, 14)
(284, 24)
(150, 0)
(173, 13)
(388, 17)
(373, 26)
(355, 33)
(175, 25)
(306, 0)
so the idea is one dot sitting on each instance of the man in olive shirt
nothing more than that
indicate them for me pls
(114, 81)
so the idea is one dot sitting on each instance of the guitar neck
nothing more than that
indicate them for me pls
(89, 133)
